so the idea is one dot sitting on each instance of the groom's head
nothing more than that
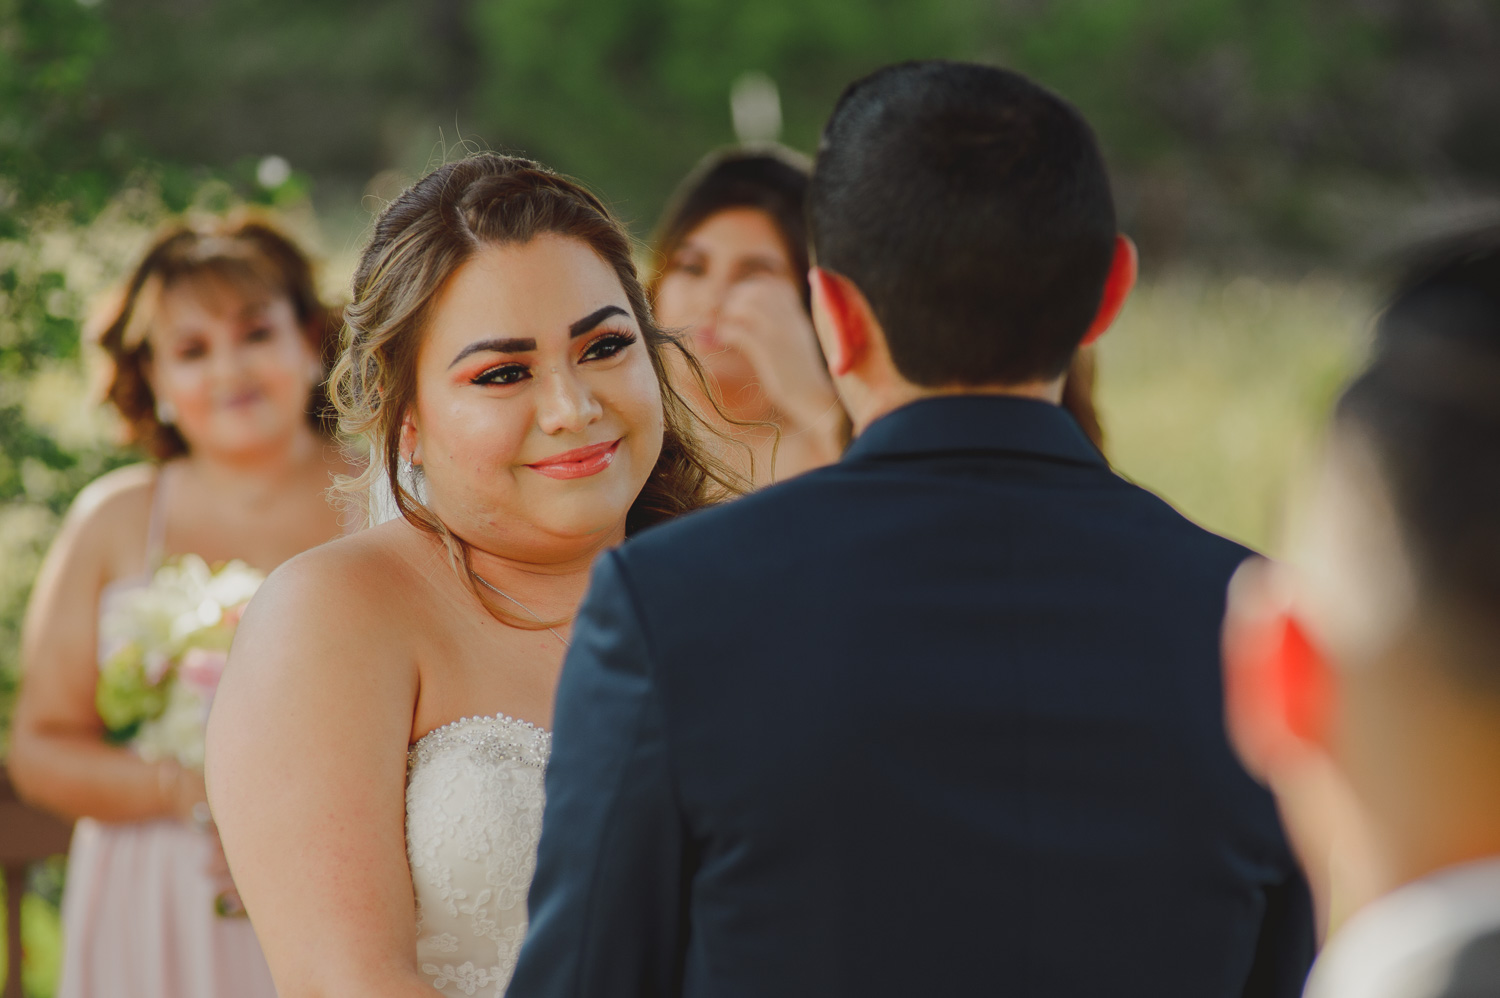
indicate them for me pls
(968, 212)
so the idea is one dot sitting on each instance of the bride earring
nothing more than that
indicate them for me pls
(166, 412)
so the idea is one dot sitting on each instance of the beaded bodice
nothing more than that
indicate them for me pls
(473, 817)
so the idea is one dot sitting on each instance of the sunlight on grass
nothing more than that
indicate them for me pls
(1214, 394)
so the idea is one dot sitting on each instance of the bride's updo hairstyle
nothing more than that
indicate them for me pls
(423, 238)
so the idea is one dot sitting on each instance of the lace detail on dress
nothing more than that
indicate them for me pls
(473, 818)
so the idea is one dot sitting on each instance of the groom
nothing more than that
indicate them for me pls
(942, 719)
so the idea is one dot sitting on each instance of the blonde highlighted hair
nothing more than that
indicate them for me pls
(420, 240)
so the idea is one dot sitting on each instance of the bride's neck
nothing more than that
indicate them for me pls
(256, 476)
(550, 583)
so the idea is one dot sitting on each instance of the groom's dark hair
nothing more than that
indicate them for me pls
(972, 208)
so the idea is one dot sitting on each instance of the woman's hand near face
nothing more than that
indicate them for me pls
(763, 318)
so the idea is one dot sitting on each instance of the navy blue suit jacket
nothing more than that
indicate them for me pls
(942, 719)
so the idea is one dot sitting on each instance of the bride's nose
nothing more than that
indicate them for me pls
(565, 405)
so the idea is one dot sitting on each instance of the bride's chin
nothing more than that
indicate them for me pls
(552, 537)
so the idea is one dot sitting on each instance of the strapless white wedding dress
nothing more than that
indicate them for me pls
(473, 817)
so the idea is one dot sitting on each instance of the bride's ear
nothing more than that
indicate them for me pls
(410, 443)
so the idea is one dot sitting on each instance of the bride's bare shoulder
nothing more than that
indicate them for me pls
(349, 592)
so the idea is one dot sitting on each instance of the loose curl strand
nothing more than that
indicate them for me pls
(419, 241)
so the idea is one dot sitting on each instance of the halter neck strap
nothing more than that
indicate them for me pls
(156, 525)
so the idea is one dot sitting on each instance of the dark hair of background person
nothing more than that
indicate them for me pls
(247, 252)
(420, 240)
(770, 178)
(1428, 405)
(972, 208)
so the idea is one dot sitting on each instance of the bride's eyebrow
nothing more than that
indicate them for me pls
(575, 330)
(494, 346)
(593, 319)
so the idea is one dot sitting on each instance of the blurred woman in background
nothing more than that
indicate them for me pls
(216, 347)
(731, 264)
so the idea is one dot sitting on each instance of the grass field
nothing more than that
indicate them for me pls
(1213, 393)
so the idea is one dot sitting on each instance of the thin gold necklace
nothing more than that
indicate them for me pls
(500, 592)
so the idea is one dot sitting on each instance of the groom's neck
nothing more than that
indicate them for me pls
(867, 403)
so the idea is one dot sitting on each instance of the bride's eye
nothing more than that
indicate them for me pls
(502, 374)
(608, 345)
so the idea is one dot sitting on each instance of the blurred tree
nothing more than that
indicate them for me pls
(1236, 107)
(53, 150)
(630, 94)
(56, 161)
(334, 87)
(1220, 116)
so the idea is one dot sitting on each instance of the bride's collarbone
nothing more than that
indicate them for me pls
(484, 671)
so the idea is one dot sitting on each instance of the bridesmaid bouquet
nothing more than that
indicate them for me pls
(172, 639)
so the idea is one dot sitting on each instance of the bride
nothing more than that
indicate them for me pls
(376, 748)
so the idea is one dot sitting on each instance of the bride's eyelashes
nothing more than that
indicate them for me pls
(605, 345)
(502, 374)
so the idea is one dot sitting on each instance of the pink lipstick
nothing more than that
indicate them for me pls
(580, 463)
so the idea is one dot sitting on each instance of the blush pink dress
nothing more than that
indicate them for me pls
(138, 907)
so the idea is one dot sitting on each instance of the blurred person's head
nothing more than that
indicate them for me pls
(216, 343)
(964, 235)
(499, 342)
(1363, 673)
(738, 215)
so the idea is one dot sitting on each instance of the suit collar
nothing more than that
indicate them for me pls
(1000, 423)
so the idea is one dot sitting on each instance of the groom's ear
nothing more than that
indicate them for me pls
(1124, 267)
(842, 319)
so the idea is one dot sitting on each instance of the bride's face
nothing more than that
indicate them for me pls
(538, 416)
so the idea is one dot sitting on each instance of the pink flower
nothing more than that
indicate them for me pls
(201, 670)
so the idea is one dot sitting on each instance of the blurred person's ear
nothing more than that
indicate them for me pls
(1279, 699)
(843, 319)
(1279, 688)
(1124, 268)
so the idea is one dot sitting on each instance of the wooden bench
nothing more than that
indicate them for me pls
(26, 835)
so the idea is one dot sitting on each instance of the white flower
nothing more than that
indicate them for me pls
(178, 732)
(234, 584)
(185, 618)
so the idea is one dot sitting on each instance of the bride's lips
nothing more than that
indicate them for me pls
(580, 463)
